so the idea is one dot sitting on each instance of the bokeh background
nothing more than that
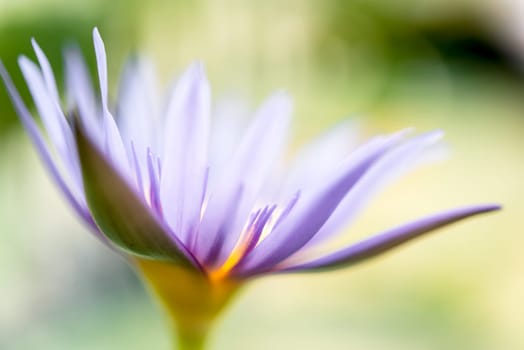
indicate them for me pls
(456, 65)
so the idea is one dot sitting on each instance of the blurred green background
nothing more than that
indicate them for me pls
(456, 65)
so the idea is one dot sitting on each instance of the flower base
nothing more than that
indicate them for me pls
(191, 299)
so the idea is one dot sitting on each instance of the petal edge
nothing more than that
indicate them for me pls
(387, 240)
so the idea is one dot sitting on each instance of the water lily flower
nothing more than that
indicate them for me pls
(197, 218)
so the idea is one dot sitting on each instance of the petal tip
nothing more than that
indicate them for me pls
(23, 60)
(96, 32)
(97, 39)
(35, 44)
(490, 207)
(436, 135)
(38, 50)
(196, 70)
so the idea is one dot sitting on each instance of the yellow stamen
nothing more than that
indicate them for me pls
(240, 249)
(237, 254)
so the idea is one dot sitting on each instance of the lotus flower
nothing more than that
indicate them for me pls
(199, 219)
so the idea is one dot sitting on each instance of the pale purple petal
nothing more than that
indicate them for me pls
(81, 95)
(137, 113)
(101, 63)
(224, 229)
(313, 210)
(317, 159)
(229, 119)
(137, 169)
(54, 121)
(250, 166)
(288, 208)
(154, 184)
(229, 124)
(70, 147)
(56, 110)
(263, 142)
(387, 240)
(50, 82)
(134, 120)
(44, 153)
(257, 227)
(49, 77)
(113, 144)
(184, 161)
(137, 109)
(386, 169)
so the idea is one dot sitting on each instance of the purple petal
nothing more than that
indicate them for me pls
(54, 121)
(288, 208)
(313, 211)
(49, 77)
(113, 145)
(44, 102)
(388, 240)
(251, 165)
(257, 227)
(138, 171)
(154, 195)
(184, 161)
(44, 153)
(137, 115)
(101, 63)
(317, 159)
(229, 118)
(81, 95)
(386, 169)
(121, 215)
(52, 89)
(210, 258)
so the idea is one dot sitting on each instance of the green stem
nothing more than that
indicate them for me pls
(190, 339)
(191, 328)
(192, 300)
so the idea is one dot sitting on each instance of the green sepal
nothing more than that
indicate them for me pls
(121, 215)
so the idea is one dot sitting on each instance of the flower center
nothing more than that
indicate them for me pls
(223, 271)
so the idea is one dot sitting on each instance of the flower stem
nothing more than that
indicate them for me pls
(190, 340)
(192, 300)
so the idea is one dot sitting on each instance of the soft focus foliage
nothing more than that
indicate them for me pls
(453, 65)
